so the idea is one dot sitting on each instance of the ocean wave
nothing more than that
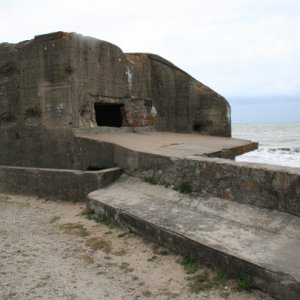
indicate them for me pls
(280, 149)
(279, 143)
(277, 157)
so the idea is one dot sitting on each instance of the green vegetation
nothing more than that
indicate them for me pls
(85, 258)
(153, 258)
(120, 253)
(74, 228)
(189, 265)
(97, 243)
(150, 180)
(147, 294)
(245, 284)
(204, 281)
(199, 283)
(183, 187)
(163, 252)
(160, 251)
(125, 267)
(121, 235)
(219, 280)
(88, 213)
(102, 219)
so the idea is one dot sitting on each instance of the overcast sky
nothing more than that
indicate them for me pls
(246, 50)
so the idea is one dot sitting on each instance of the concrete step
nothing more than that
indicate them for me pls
(64, 184)
(235, 238)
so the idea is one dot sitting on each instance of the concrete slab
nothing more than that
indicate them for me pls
(239, 239)
(172, 144)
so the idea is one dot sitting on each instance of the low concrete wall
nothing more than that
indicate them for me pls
(70, 185)
(261, 185)
(92, 154)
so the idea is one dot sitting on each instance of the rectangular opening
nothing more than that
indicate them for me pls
(109, 114)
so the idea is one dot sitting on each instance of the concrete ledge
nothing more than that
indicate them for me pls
(169, 143)
(238, 239)
(261, 185)
(266, 186)
(231, 153)
(72, 185)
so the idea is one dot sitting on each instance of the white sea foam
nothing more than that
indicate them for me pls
(279, 143)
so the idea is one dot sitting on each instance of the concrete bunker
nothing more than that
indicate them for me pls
(56, 88)
(59, 83)
(109, 114)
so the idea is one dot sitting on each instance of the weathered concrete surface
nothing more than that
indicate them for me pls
(172, 144)
(172, 158)
(54, 183)
(266, 186)
(50, 84)
(238, 239)
(183, 104)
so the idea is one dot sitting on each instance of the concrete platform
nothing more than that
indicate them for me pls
(171, 144)
(236, 238)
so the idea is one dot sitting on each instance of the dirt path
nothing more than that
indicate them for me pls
(48, 250)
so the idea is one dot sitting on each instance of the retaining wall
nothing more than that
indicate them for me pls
(73, 185)
(261, 185)
(266, 186)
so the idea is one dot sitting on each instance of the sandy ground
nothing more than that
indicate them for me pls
(49, 250)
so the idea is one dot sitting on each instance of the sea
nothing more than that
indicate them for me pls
(279, 143)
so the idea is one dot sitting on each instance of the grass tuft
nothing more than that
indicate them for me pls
(90, 215)
(219, 280)
(74, 228)
(245, 284)
(120, 253)
(163, 252)
(152, 258)
(183, 187)
(125, 267)
(88, 212)
(160, 250)
(189, 265)
(97, 243)
(85, 258)
(199, 283)
(147, 294)
(205, 281)
(150, 180)
(123, 234)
